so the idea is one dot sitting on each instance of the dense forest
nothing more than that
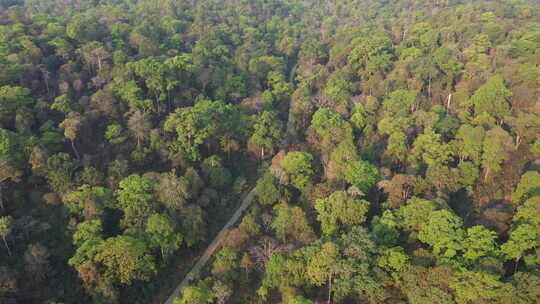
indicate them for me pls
(393, 147)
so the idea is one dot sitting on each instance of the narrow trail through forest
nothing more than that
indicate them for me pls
(194, 272)
(246, 202)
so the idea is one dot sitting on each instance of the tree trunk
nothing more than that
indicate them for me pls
(517, 263)
(46, 80)
(7, 247)
(2, 196)
(75, 149)
(262, 153)
(429, 85)
(329, 288)
(99, 63)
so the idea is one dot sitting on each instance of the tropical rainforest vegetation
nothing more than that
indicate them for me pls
(393, 147)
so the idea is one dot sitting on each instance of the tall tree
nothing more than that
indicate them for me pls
(340, 208)
(267, 133)
(195, 295)
(492, 98)
(444, 232)
(479, 242)
(135, 199)
(6, 225)
(162, 233)
(297, 165)
(528, 186)
(495, 148)
(468, 142)
(126, 259)
(321, 266)
(71, 126)
(290, 223)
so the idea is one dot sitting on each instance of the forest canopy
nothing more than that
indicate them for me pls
(392, 147)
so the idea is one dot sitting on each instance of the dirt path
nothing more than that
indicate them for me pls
(194, 272)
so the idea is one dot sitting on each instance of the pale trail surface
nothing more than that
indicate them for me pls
(194, 272)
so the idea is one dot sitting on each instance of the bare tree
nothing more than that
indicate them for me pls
(264, 250)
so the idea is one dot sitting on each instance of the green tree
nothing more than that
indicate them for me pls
(397, 146)
(300, 300)
(371, 53)
(523, 238)
(492, 98)
(528, 186)
(267, 189)
(415, 213)
(321, 266)
(478, 287)
(495, 147)
(385, 228)
(340, 159)
(283, 273)
(6, 225)
(479, 242)
(468, 142)
(393, 260)
(7, 172)
(59, 170)
(13, 99)
(218, 176)
(195, 295)
(225, 262)
(429, 148)
(338, 91)
(152, 72)
(114, 134)
(267, 133)
(161, 231)
(9, 146)
(359, 117)
(71, 126)
(62, 104)
(129, 92)
(193, 224)
(297, 165)
(88, 201)
(290, 223)
(468, 174)
(327, 130)
(87, 230)
(205, 120)
(525, 287)
(362, 175)
(397, 108)
(444, 233)
(528, 212)
(338, 209)
(126, 259)
(135, 199)
(356, 271)
(525, 127)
